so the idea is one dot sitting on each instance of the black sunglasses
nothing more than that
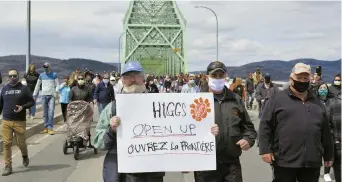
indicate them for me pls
(13, 76)
(81, 79)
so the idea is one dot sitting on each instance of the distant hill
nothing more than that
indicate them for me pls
(60, 66)
(280, 70)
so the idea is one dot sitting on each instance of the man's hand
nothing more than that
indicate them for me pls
(268, 158)
(244, 145)
(215, 130)
(114, 122)
(18, 109)
(328, 163)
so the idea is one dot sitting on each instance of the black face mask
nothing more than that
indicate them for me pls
(300, 86)
(267, 80)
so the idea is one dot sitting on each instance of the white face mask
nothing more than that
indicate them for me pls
(105, 81)
(24, 83)
(112, 82)
(81, 82)
(216, 84)
(134, 89)
(337, 82)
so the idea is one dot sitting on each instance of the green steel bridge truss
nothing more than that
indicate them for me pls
(154, 34)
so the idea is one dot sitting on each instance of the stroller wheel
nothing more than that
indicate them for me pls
(65, 147)
(76, 152)
(95, 150)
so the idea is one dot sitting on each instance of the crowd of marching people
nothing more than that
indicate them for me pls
(300, 125)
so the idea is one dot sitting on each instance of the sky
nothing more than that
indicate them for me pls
(248, 31)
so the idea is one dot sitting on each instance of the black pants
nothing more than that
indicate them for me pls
(145, 177)
(336, 166)
(64, 111)
(224, 173)
(284, 174)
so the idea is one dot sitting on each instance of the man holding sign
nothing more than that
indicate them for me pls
(237, 131)
(106, 130)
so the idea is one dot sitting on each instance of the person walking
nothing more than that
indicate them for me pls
(249, 91)
(294, 132)
(191, 86)
(104, 93)
(237, 130)
(15, 98)
(64, 90)
(49, 82)
(334, 113)
(31, 78)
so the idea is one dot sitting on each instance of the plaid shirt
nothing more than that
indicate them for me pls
(334, 113)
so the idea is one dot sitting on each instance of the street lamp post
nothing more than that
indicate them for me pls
(217, 52)
(28, 34)
(119, 66)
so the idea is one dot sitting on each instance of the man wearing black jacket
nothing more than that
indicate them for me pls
(15, 99)
(237, 131)
(294, 132)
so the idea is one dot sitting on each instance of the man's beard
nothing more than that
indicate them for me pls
(134, 89)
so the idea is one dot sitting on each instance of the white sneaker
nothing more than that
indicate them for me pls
(32, 117)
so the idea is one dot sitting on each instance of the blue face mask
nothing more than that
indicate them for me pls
(322, 92)
(192, 82)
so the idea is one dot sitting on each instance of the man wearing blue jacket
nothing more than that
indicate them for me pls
(104, 93)
(15, 98)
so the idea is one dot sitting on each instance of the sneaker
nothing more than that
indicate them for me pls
(26, 161)
(46, 130)
(50, 132)
(7, 170)
(32, 117)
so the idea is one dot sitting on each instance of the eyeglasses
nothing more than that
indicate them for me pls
(80, 79)
(13, 76)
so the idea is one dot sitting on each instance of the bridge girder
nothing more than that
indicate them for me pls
(154, 35)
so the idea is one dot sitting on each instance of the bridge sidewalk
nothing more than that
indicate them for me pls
(34, 126)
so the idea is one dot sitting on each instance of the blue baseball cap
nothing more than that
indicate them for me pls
(132, 66)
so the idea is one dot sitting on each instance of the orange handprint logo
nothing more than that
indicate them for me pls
(200, 108)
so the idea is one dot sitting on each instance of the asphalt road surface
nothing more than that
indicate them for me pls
(49, 164)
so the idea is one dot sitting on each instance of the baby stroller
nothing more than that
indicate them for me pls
(79, 118)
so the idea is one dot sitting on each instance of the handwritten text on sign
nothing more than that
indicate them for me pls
(165, 132)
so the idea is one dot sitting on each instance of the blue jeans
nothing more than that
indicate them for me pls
(48, 104)
(101, 106)
(33, 110)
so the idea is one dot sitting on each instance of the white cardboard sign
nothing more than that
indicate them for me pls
(165, 132)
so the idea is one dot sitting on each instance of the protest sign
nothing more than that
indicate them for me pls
(165, 132)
